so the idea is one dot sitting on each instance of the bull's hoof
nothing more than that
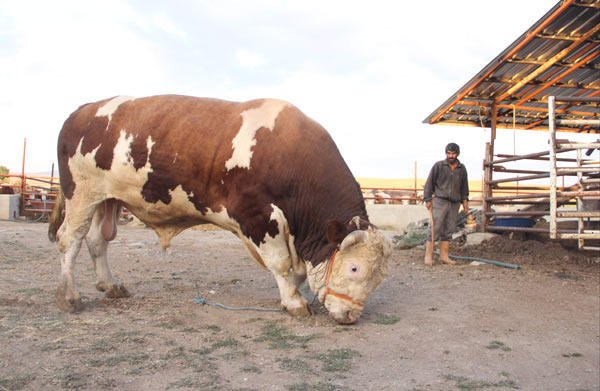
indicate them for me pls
(72, 305)
(299, 312)
(116, 291)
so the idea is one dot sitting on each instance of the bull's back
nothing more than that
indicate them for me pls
(186, 156)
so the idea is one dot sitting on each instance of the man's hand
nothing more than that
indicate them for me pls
(465, 206)
(428, 204)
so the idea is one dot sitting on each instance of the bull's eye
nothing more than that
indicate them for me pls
(354, 270)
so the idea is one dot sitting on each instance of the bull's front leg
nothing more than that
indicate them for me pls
(288, 282)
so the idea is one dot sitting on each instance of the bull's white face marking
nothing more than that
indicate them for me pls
(111, 106)
(356, 271)
(252, 120)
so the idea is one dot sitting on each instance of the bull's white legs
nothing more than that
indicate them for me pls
(77, 224)
(97, 246)
(67, 297)
(288, 283)
(275, 255)
(71, 236)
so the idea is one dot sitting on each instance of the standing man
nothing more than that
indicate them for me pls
(447, 187)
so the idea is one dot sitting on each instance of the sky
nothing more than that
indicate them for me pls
(369, 72)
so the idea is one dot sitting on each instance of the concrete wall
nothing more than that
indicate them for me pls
(9, 206)
(396, 217)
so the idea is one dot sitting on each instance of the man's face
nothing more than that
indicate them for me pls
(451, 157)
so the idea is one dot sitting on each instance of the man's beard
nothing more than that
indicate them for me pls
(451, 160)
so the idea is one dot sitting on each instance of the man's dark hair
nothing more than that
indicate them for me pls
(453, 147)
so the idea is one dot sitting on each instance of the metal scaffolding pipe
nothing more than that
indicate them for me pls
(577, 122)
(575, 170)
(552, 142)
(515, 171)
(532, 156)
(524, 196)
(524, 229)
(578, 235)
(545, 158)
(520, 157)
(522, 178)
(591, 214)
(506, 189)
(579, 193)
(590, 99)
(518, 213)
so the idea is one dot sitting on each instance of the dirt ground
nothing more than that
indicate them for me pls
(443, 328)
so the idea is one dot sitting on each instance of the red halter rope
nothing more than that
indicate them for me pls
(329, 291)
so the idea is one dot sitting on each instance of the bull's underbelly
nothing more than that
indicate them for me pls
(179, 212)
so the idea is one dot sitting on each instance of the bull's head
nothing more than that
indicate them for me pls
(355, 269)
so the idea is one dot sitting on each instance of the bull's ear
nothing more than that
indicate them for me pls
(336, 232)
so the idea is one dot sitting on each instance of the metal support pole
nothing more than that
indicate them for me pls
(552, 146)
(580, 222)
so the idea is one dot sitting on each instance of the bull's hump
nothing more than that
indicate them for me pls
(108, 108)
(263, 116)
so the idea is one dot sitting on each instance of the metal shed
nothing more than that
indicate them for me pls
(547, 80)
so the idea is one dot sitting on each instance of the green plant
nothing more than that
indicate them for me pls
(387, 319)
(338, 360)
(133, 358)
(279, 338)
(498, 345)
(17, 382)
(464, 383)
(295, 365)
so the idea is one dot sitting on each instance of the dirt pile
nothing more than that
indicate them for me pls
(527, 252)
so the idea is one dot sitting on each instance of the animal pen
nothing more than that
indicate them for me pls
(584, 196)
(546, 80)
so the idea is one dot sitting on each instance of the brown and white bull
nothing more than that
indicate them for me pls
(260, 169)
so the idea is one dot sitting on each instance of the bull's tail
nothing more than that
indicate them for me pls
(56, 217)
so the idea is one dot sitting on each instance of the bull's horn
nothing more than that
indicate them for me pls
(378, 239)
(354, 237)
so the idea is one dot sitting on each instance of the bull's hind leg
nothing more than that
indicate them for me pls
(67, 297)
(76, 225)
(102, 230)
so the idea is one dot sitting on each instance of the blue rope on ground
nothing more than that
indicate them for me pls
(483, 260)
(202, 300)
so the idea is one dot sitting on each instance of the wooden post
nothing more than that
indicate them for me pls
(488, 167)
(52, 177)
(487, 187)
(415, 184)
(494, 121)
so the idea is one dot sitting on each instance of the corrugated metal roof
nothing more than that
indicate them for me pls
(558, 56)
